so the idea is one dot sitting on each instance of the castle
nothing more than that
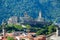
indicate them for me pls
(25, 18)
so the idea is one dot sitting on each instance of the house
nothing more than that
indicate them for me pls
(23, 36)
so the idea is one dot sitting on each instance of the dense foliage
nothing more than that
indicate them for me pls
(45, 30)
(10, 38)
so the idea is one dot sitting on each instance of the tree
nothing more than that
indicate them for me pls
(19, 27)
(9, 25)
(23, 39)
(51, 28)
(10, 38)
(28, 27)
(9, 28)
(41, 31)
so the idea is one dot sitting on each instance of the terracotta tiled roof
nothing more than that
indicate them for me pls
(28, 36)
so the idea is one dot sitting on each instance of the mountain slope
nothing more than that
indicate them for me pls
(50, 8)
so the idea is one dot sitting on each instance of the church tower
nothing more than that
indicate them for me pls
(40, 19)
(40, 15)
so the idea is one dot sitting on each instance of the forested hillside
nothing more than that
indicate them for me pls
(50, 8)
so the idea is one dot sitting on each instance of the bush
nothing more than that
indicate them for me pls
(10, 38)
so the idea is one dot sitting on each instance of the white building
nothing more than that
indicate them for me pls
(40, 19)
(12, 20)
(25, 18)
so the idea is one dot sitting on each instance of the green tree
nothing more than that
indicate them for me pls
(23, 39)
(10, 38)
(51, 28)
(9, 25)
(28, 28)
(41, 31)
(19, 27)
(9, 28)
